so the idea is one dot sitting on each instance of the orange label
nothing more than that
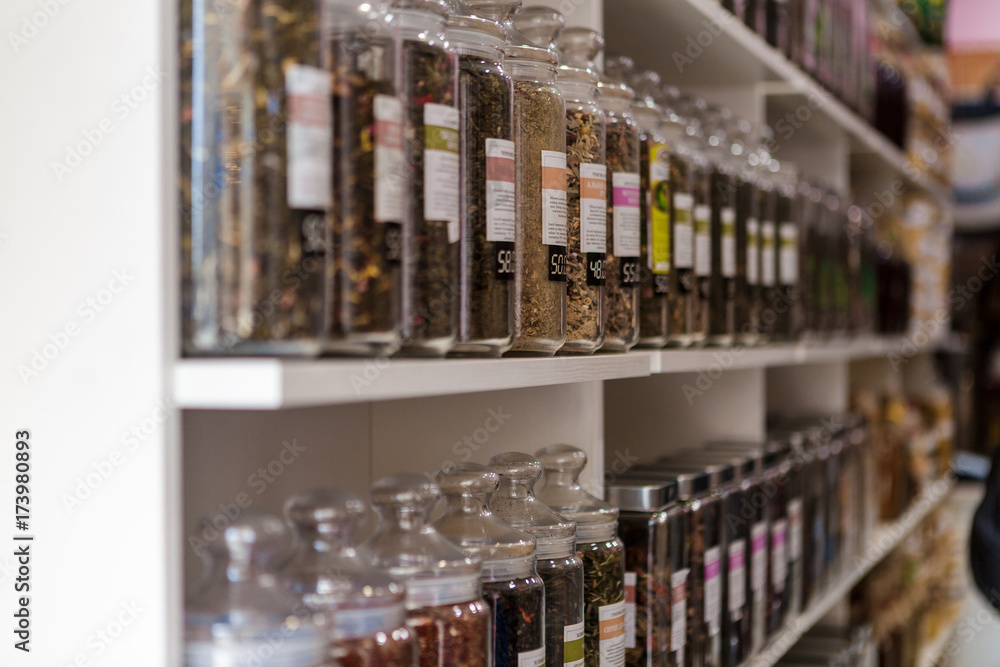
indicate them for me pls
(593, 188)
(613, 627)
(553, 178)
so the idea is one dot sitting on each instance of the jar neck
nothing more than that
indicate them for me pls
(491, 54)
(596, 532)
(530, 70)
(615, 104)
(579, 91)
(509, 568)
(465, 504)
(555, 547)
(436, 591)
(366, 621)
(404, 519)
(648, 119)
(420, 25)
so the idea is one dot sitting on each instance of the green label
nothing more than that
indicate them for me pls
(440, 138)
(573, 645)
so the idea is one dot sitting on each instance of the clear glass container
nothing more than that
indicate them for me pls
(599, 547)
(722, 185)
(257, 241)
(512, 588)
(766, 199)
(786, 213)
(586, 192)
(240, 608)
(445, 608)
(560, 569)
(368, 179)
(431, 139)
(756, 212)
(776, 476)
(624, 215)
(810, 204)
(651, 524)
(540, 185)
(487, 199)
(746, 299)
(692, 110)
(654, 204)
(329, 574)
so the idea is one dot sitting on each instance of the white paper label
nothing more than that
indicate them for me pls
(713, 589)
(702, 240)
(767, 253)
(612, 634)
(728, 242)
(630, 580)
(795, 528)
(554, 198)
(389, 158)
(758, 557)
(683, 231)
(534, 658)
(441, 166)
(625, 197)
(309, 137)
(678, 612)
(753, 251)
(573, 645)
(789, 254)
(779, 555)
(501, 222)
(737, 576)
(593, 208)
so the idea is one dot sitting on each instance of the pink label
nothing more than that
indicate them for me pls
(499, 169)
(712, 569)
(759, 542)
(736, 559)
(778, 538)
(623, 196)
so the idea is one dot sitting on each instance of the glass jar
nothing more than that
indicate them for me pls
(258, 237)
(651, 524)
(701, 189)
(810, 202)
(753, 513)
(654, 205)
(586, 192)
(722, 185)
(557, 563)
(488, 198)
(241, 610)
(624, 222)
(746, 302)
(787, 279)
(704, 592)
(368, 180)
(776, 478)
(513, 590)
(431, 139)
(766, 199)
(597, 545)
(759, 209)
(686, 163)
(326, 571)
(540, 183)
(445, 609)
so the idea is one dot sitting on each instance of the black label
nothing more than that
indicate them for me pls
(595, 268)
(503, 260)
(629, 276)
(557, 263)
(661, 283)
(685, 280)
(393, 242)
(314, 233)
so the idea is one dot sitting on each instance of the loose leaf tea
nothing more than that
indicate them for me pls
(431, 289)
(702, 214)
(539, 285)
(367, 196)
(488, 207)
(397, 649)
(721, 323)
(518, 608)
(646, 537)
(260, 187)
(603, 592)
(454, 634)
(585, 266)
(683, 293)
(624, 196)
(563, 579)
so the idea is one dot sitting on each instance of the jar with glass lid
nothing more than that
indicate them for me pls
(512, 588)
(445, 608)
(703, 588)
(427, 83)
(651, 524)
(330, 575)
(540, 185)
(786, 216)
(753, 512)
(760, 209)
(258, 238)
(586, 192)
(487, 198)
(746, 162)
(776, 475)
(240, 606)
(722, 185)
(557, 563)
(599, 547)
(693, 110)
(368, 180)
(654, 203)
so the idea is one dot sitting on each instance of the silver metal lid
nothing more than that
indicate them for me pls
(642, 495)
(690, 483)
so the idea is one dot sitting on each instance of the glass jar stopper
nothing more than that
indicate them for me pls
(561, 489)
(515, 502)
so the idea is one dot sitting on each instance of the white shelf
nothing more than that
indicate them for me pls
(270, 383)
(886, 539)
(730, 55)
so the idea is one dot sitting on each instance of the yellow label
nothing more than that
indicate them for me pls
(659, 208)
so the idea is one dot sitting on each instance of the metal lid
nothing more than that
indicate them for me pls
(752, 450)
(720, 472)
(642, 495)
(744, 464)
(690, 483)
